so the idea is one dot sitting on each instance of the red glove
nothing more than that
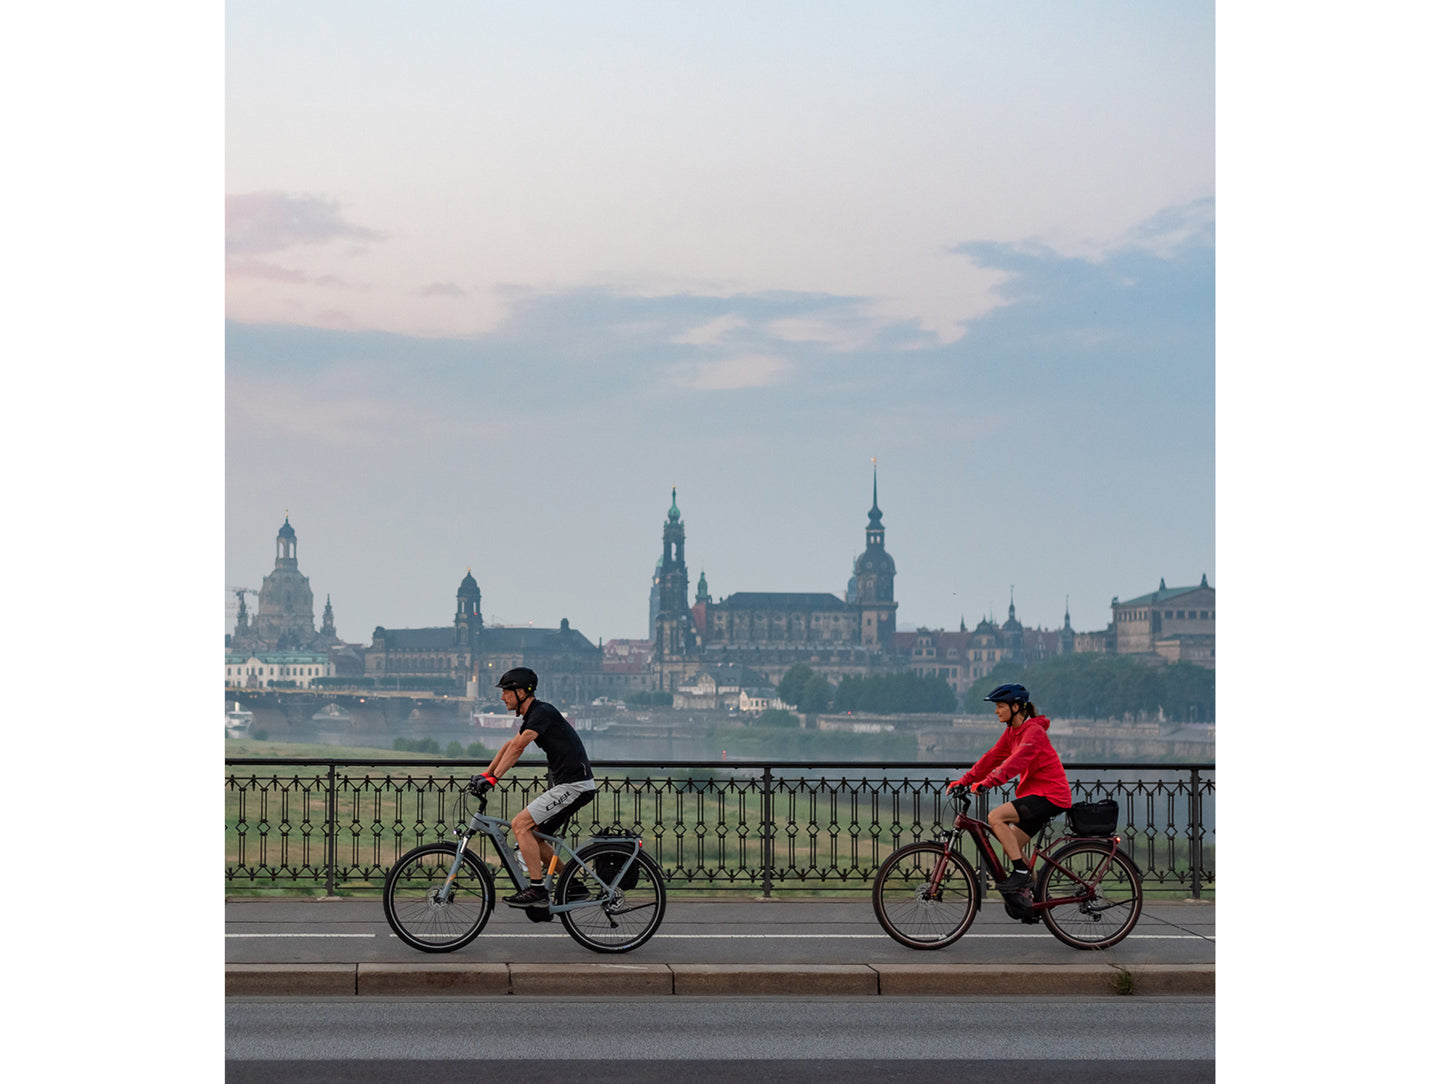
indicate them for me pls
(956, 783)
(480, 784)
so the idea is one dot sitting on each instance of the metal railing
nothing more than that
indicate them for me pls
(308, 825)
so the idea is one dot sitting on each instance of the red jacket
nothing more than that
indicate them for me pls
(1025, 751)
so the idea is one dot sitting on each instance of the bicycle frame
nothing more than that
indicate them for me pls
(982, 836)
(495, 829)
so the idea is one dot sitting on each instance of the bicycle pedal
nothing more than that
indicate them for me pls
(538, 914)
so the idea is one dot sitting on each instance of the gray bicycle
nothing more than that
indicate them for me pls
(609, 894)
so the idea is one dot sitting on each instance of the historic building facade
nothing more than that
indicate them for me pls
(965, 657)
(771, 631)
(471, 655)
(1172, 624)
(277, 669)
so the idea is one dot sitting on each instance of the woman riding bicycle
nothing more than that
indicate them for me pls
(1024, 750)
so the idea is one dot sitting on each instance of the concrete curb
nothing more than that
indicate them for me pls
(771, 980)
(736, 980)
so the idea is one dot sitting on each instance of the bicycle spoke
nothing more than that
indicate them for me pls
(1103, 891)
(634, 910)
(910, 911)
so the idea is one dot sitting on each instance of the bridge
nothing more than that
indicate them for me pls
(366, 711)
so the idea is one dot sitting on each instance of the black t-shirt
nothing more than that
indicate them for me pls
(566, 757)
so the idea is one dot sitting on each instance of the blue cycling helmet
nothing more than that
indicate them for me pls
(1009, 694)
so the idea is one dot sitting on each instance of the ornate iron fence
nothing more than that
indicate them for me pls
(338, 825)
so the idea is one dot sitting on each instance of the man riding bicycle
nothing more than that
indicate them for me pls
(569, 774)
(1024, 750)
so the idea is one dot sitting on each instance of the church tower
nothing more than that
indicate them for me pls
(468, 621)
(328, 624)
(467, 633)
(873, 576)
(1013, 632)
(674, 635)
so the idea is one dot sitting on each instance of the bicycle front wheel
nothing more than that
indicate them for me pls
(414, 904)
(1098, 915)
(909, 911)
(634, 911)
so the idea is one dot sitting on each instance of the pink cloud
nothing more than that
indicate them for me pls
(258, 222)
(271, 272)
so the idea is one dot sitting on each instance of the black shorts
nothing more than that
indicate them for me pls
(1034, 812)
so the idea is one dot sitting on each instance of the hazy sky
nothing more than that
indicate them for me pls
(499, 276)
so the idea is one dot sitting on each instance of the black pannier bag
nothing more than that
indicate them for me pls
(1094, 818)
(607, 865)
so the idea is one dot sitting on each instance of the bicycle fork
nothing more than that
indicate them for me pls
(940, 868)
(444, 893)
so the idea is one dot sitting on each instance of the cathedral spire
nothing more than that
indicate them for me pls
(873, 573)
(875, 514)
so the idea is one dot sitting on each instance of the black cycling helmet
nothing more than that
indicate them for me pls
(519, 677)
(1009, 694)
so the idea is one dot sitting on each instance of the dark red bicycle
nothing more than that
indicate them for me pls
(1087, 891)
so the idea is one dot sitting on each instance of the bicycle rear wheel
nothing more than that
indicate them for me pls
(1102, 916)
(911, 914)
(630, 917)
(413, 906)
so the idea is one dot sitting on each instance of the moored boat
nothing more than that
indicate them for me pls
(238, 720)
(492, 720)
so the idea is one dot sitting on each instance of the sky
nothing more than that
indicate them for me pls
(500, 276)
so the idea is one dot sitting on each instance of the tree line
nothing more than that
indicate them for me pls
(1084, 686)
(884, 694)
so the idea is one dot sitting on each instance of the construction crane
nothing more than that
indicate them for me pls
(240, 593)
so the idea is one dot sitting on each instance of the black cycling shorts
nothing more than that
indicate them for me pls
(1034, 812)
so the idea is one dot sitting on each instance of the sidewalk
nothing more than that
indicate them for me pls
(740, 947)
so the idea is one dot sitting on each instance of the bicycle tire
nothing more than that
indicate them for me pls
(409, 898)
(619, 924)
(901, 903)
(1104, 916)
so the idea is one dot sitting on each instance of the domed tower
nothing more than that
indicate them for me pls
(873, 576)
(285, 612)
(467, 633)
(699, 608)
(468, 621)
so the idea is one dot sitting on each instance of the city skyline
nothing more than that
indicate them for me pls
(323, 600)
(498, 279)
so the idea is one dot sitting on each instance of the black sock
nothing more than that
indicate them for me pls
(1020, 864)
(535, 884)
